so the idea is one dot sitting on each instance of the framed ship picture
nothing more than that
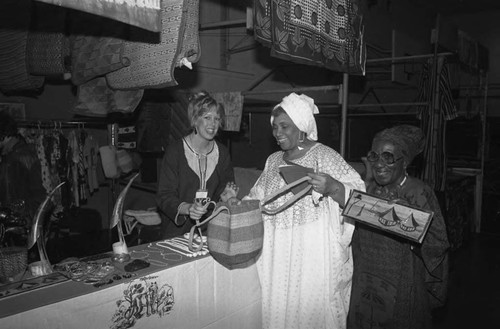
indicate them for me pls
(404, 221)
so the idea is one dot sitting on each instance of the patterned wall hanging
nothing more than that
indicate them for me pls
(323, 33)
(15, 19)
(153, 57)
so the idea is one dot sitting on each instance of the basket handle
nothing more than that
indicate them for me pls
(219, 209)
(285, 188)
(197, 226)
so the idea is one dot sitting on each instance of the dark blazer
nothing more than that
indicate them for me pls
(178, 183)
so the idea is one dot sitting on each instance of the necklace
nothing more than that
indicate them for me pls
(403, 181)
(199, 154)
(297, 153)
(202, 160)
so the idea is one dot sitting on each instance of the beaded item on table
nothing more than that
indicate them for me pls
(172, 250)
(93, 273)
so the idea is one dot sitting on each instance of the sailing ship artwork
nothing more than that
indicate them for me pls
(405, 221)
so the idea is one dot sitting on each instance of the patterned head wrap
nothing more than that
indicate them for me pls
(301, 109)
(409, 139)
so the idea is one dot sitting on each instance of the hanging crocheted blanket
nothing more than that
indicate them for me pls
(325, 33)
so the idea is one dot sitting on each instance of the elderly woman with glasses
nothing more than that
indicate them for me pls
(396, 283)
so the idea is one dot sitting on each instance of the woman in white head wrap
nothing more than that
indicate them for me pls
(305, 267)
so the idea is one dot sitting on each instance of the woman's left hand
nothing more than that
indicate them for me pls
(327, 185)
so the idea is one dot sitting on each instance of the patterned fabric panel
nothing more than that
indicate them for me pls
(14, 73)
(190, 47)
(152, 63)
(233, 109)
(95, 98)
(97, 47)
(48, 45)
(441, 108)
(325, 33)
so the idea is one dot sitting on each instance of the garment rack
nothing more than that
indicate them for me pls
(61, 124)
(289, 90)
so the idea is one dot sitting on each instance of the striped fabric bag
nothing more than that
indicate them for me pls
(235, 233)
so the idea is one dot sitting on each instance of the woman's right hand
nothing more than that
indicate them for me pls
(230, 191)
(197, 210)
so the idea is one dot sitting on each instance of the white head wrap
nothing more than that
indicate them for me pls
(301, 109)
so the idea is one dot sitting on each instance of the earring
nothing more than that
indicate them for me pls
(302, 136)
(301, 140)
(195, 131)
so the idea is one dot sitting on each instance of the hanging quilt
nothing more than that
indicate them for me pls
(15, 20)
(154, 58)
(325, 33)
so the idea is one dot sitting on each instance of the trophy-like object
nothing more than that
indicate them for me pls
(120, 250)
(37, 235)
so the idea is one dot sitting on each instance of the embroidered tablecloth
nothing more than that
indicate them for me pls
(174, 292)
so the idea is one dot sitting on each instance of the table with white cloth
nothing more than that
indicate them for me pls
(188, 293)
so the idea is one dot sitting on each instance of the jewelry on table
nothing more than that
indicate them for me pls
(183, 246)
(157, 262)
(172, 256)
(177, 251)
(139, 254)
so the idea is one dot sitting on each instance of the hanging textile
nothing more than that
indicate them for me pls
(91, 151)
(434, 88)
(96, 46)
(233, 109)
(15, 19)
(144, 14)
(126, 137)
(47, 47)
(96, 98)
(314, 32)
(153, 57)
(153, 127)
(190, 49)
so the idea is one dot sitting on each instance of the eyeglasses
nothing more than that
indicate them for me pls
(387, 157)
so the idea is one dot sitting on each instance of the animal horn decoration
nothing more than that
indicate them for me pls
(37, 234)
(116, 217)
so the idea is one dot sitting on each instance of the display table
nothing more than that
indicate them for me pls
(186, 292)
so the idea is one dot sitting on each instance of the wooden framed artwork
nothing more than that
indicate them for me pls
(402, 220)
